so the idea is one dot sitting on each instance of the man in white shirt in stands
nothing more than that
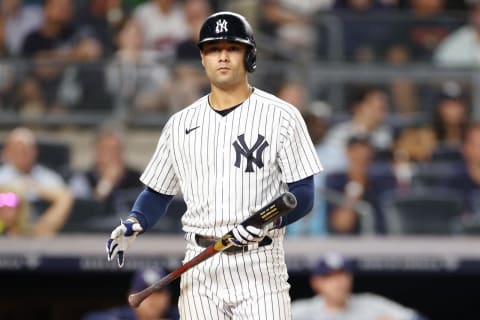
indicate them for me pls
(461, 48)
(331, 280)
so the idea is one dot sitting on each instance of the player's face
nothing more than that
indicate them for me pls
(224, 63)
(335, 287)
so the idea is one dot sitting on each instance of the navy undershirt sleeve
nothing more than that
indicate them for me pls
(303, 190)
(149, 206)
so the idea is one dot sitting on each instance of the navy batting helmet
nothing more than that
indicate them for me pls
(232, 27)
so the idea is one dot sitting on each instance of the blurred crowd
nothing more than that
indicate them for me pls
(140, 56)
(399, 156)
(417, 178)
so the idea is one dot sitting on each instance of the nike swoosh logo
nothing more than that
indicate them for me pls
(187, 131)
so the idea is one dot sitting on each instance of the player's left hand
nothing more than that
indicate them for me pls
(245, 235)
(121, 239)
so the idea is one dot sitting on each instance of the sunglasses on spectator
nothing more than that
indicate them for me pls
(9, 200)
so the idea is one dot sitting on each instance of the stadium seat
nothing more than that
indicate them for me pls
(471, 228)
(55, 155)
(432, 175)
(423, 213)
(82, 216)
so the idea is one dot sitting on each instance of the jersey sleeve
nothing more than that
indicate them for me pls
(297, 156)
(160, 173)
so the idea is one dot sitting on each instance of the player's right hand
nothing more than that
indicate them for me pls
(121, 239)
(246, 235)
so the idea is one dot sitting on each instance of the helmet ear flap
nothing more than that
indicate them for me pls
(251, 59)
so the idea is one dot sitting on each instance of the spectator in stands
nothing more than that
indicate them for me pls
(134, 78)
(163, 25)
(412, 154)
(318, 123)
(20, 19)
(189, 80)
(466, 175)
(195, 12)
(369, 112)
(100, 20)
(7, 73)
(31, 98)
(3, 49)
(35, 182)
(365, 26)
(354, 194)
(294, 92)
(461, 48)
(450, 119)
(103, 17)
(427, 26)
(110, 172)
(404, 92)
(332, 281)
(291, 30)
(155, 307)
(14, 213)
(55, 45)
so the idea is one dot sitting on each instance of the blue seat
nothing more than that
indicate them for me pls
(422, 212)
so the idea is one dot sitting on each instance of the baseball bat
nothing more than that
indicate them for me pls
(275, 209)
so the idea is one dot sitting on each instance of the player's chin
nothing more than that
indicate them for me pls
(224, 82)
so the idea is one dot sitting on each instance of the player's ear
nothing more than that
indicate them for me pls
(201, 58)
(316, 283)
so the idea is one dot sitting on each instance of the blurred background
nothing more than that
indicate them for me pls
(390, 92)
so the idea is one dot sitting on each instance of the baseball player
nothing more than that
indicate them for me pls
(331, 280)
(229, 153)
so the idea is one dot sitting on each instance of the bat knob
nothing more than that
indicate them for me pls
(134, 301)
(290, 200)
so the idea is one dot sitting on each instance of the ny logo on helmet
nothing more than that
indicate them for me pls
(221, 26)
(242, 149)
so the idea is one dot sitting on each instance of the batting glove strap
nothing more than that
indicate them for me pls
(120, 240)
(244, 236)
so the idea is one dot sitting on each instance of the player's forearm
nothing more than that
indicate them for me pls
(149, 207)
(304, 192)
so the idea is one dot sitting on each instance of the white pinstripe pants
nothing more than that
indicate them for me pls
(244, 286)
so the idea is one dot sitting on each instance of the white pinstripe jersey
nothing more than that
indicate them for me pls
(227, 166)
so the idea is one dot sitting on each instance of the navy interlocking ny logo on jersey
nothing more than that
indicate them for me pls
(242, 149)
(221, 26)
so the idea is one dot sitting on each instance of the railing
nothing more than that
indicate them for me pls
(86, 253)
(326, 71)
(323, 81)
